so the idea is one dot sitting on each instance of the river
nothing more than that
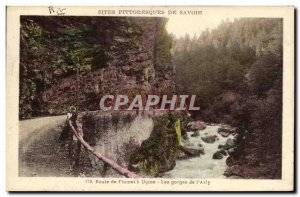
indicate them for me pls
(204, 166)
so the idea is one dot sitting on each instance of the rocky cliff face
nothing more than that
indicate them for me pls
(115, 55)
(116, 135)
(144, 142)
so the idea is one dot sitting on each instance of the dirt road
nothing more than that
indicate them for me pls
(40, 152)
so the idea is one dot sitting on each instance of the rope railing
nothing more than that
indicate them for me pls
(121, 170)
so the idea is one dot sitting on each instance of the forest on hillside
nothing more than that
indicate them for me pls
(236, 72)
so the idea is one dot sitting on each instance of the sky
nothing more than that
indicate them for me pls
(180, 25)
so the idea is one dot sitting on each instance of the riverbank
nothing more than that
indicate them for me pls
(203, 166)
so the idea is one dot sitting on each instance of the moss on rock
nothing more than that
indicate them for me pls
(158, 153)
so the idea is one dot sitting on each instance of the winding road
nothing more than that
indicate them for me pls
(40, 152)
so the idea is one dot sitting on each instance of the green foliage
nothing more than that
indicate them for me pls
(264, 73)
(51, 48)
(30, 85)
(223, 59)
(236, 72)
(79, 47)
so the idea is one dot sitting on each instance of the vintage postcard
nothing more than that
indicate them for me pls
(150, 98)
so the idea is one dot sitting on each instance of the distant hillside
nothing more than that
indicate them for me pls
(236, 72)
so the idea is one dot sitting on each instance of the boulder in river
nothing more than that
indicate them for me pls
(226, 130)
(196, 125)
(188, 144)
(195, 134)
(209, 139)
(224, 134)
(182, 156)
(223, 152)
(192, 152)
(218, 155)
(229, 144)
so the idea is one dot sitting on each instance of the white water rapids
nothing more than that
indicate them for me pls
(204, 166)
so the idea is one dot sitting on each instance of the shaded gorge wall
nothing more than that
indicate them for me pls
(116, 134)
(145, 143)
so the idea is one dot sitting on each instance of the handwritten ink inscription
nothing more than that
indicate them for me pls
(57, 10)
